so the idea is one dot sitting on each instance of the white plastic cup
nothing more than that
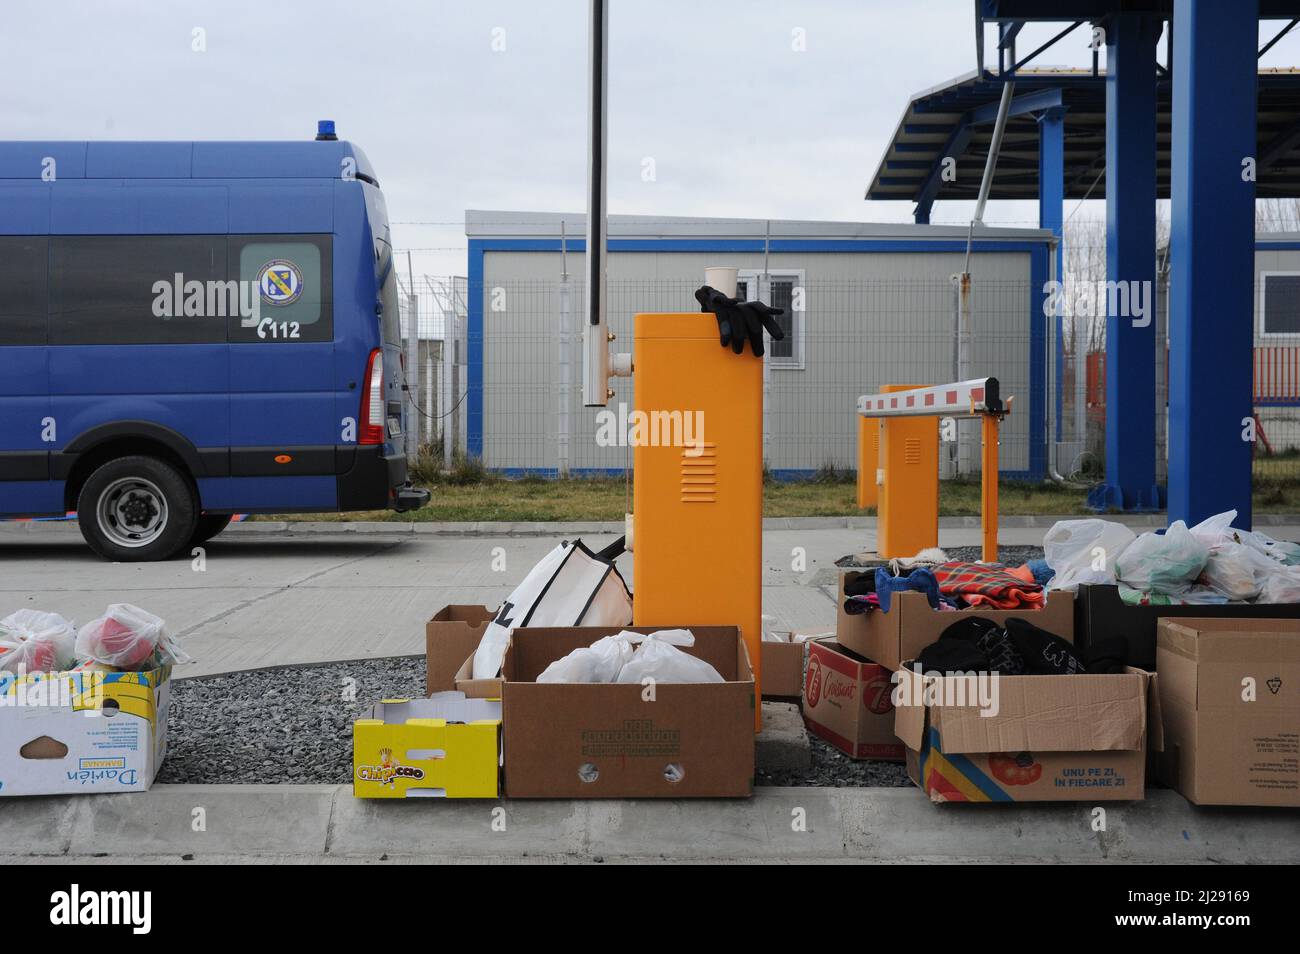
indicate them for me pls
(723, 278)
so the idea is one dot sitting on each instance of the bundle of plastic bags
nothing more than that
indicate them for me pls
(35, 641)
(629, 657)
(1212, 562)
(126, 638)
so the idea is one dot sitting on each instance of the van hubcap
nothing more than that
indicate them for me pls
(132, 511)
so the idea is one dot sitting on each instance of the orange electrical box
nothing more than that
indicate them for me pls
(908, 510)
(868, 461)
(697, 499)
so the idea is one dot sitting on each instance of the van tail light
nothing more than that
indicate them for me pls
(372, 401)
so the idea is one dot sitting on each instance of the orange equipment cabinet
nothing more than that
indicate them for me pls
(697, 500)
(908, 511)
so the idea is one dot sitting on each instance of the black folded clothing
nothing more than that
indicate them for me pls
(1109, 655)
(972, 644)
(864, 583)
(1044, 653)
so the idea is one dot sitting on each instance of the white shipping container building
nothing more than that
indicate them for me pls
(866, 306)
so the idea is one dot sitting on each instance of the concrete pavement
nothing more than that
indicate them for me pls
(324, 823)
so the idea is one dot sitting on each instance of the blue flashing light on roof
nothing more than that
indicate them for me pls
(325, 130)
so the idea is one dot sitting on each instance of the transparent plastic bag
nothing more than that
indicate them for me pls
(36, 641)
(1084, 551)
(1237, 571)
(1281, 586)
(1162, 562)
(600, 662)
(126, 637)
(659, 659)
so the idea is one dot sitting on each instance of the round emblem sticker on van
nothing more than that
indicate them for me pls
(280, 282)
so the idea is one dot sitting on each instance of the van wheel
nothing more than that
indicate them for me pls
(136, 509)
(209, 525)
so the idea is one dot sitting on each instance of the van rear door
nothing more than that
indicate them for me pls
(282, 374)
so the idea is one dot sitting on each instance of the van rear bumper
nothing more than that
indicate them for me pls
(376, 482)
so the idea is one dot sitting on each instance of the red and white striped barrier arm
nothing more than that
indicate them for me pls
(963, 399)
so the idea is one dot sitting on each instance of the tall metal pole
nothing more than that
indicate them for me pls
(411, 377)
(595, 349)
(566, 328)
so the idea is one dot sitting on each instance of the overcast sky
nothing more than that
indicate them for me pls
(483, 104)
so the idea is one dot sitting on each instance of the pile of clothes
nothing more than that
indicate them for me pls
(1017, 647)
(1212, 562)
(950, 584)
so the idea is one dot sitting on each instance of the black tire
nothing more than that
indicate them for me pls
(208, 526)
(137, 509)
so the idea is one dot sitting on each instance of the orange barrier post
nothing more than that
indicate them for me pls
(989, 487)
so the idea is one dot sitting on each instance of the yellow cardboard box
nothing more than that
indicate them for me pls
(445, 746)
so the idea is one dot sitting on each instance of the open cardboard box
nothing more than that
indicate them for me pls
(453, 633)
(1049, 738)
(69, 733)
(911, 625)
(627, 740)
(847, 701)
(783, 668)
(1230, 699)
(445, 746)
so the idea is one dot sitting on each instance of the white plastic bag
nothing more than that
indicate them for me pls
(1238, 571)
(599, 662)
(659, 659)
(1218, 531)
(1281, 586)
(35, 641)
(1162, 562)
(126, 638)
(1084, 551)
(570, 586)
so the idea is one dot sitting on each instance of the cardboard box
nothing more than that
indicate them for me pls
(445, 746)
(782, 669)
(476, 688)
(846, 701)
(453, 633)
(69, 733)
(1052, 738)
(1101, 613)
(910, 625)
(1230, 699)
(613, 741)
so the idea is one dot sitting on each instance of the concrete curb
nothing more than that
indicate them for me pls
(317, 823)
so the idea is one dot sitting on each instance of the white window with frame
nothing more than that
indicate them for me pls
(786, 290)
(1279, 304)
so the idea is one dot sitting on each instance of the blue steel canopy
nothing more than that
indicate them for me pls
(956, 119)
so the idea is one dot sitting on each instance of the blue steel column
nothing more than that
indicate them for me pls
(1051, 202)
(1130, 260)
(1211, 248)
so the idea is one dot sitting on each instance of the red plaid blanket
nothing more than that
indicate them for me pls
(979, 584)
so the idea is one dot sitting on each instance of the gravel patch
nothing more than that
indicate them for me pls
(293, 725)
(831, 767)
(290, 724)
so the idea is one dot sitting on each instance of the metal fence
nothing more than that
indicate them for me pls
(519, 409)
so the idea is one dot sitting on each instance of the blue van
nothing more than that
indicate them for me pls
(190, 330)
